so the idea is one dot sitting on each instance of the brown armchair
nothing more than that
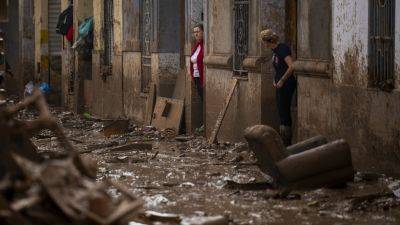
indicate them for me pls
(309, 164)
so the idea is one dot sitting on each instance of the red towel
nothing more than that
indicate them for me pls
(70, 34)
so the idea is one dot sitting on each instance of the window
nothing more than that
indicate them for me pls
(108, 32)
(381, 42)
(3, 10)
(241, 26)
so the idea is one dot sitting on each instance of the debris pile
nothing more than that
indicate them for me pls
(62, 191)
(34, 190)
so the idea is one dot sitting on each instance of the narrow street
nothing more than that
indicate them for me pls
(192, 179)
(199, 112)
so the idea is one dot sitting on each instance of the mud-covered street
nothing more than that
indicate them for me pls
(184, 176)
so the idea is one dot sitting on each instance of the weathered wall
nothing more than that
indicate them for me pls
(12, 40)
(367, 118)
(166, 67)
(253, 101)
(134, 102)
(41, 40)
(120, 95)
(350, 42)
(107, 92)
(342, 106)
(27, 42)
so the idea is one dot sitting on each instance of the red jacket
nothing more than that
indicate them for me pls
(200, 64)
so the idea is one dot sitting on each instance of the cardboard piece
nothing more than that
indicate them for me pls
(168, 114)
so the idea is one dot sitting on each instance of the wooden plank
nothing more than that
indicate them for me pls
(174, 117)
(151, 99)
(221, 115)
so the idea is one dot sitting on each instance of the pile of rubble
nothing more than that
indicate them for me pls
(61, 191)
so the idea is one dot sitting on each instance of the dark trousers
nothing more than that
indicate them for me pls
(284, 97)
(199, 88)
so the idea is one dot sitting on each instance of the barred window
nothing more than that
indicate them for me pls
(108, 32)
(241, 27)
(3, 10)
(381, 38)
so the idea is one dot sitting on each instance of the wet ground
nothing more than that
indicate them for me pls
(189, 178)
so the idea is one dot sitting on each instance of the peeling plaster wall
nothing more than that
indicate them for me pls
(350, 42)
(342, 106)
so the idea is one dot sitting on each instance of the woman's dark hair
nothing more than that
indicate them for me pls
(199, 26)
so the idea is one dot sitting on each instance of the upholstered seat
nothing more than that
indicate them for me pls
(308, 164)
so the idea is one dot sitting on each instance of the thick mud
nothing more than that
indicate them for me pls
(192, 179)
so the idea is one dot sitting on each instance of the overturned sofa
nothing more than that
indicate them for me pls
(312, 163)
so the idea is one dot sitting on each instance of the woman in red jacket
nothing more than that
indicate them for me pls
(196, 60)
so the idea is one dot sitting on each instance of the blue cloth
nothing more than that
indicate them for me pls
(45, 88)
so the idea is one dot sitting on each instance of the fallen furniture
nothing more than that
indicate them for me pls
(310, 164)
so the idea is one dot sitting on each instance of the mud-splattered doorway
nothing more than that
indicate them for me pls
(194, 106)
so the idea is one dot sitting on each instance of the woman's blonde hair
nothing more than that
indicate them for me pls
(268, 35)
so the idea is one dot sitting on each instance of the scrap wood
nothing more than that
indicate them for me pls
(45, 121)
(115, 127)
(171, 121)
(128, 147)
(131, 146)
(163, 217)
(221, 115)
(73, 192)
(26, 203)
(10, 217)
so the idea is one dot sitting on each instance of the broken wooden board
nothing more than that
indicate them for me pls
(115, 127)
(179, 90)
(131, 147)
(221, 115)
(167, 114)
(151, 99)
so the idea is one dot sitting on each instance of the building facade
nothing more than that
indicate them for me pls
(347, 66)
(136, 44)
(234, 51)
(16, 21)
(348, 71)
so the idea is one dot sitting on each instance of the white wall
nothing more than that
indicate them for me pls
(350, 41)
